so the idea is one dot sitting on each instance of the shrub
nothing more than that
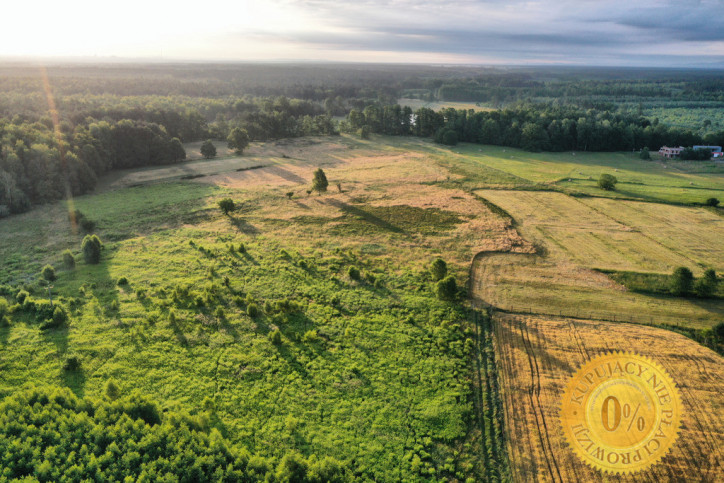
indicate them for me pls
(227, 205)
(275, 337)
(645, 154)
(21, 296)
(682, 281)
(72, 363)
(48, 273)
(4, 321)
(60, 316)
(319, 182)
(447, 288)
(707, 285)
(290, 194)
(122, 281)
(252, 310)
(208, 150)
(4, 307)
(219, 313)
(438, 269)
(112, 390)
(310, 336)
(364, 132)
(719, 330)
(712, 202)
(91, 248)
(353, 273)
(607, 182)
(242, 248)
(68, 260)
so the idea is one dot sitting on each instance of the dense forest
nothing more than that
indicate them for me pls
(533, 127)
(120, 437)
(63, 126)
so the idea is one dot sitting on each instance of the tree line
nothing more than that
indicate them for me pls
(41, 161)
(529, 126)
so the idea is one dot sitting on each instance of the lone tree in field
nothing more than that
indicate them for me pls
(320, 183)
(91, 248)
(238, 140)
(607, 182)
(682, 281)
(208, 150)
(712, 202)
(645, 154)
(227, 205)
(706, 285)
(438, 269)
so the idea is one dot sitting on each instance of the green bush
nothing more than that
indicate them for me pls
(712, 202)
(682, 282)
(91, 248)
(68, 260)
(48, 273)
(353, 273)
(645, 154)
(21, 296)
(4, 307)
(719, 331)
(275, 336)
(447, 288)
(319, 182)
(112, 390)
(72, 363)
(438, 269)
(607, 182)
(122, 281)
(706, 286)
(252, 310)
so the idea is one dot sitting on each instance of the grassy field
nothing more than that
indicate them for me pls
(617, 234)
(662, 181)
(376, 372)
(538, 355)
(581, 235)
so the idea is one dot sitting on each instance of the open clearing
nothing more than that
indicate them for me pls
(375, 371)
(579, 235)
(617, 234)
(538, 355)
(666, 181)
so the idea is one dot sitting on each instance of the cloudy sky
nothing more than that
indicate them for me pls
(588, 32)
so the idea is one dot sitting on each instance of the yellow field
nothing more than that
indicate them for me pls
(537, 356)
(616, 234)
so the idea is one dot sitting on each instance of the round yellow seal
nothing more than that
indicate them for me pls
(621, 412)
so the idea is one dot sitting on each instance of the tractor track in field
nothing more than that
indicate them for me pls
(534, 397)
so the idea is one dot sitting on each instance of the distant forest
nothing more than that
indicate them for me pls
(63, 126)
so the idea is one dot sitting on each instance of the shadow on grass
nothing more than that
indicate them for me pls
(75, 381)
(243, 226)
(348, 209)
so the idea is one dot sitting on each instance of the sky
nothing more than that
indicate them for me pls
(662, 33)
